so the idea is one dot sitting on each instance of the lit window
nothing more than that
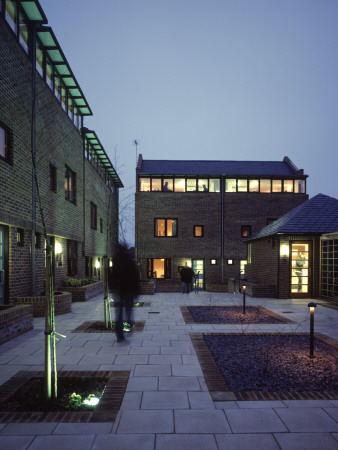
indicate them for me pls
(288, 185)
(249, 253)
(243, 263)
(93, 216)
(213, 262)
(300, 186)
(159, 268)
(20, 234)
(214, 185)
(242, 185)
(166, 227)
(191, 184)
(230, 262)
(156, 184)
(246, 230)
(168, 184)
(179, 184)
(4, 143)
(70, 188)
(276, 185)
(253, 185)
(265, 186)
(198, 231)
(203, 185)
(144, 184)
(230, 185)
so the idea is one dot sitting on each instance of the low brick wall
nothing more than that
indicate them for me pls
(217, 288)
(15, 320)
(257, 290)
(146, 287)
(62, 302)
(84, 293)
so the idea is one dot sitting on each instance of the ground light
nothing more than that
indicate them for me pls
(244, 289)
(312, 307)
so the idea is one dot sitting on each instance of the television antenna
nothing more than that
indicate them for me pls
(136, 144)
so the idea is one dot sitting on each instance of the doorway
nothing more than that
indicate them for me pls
(301, 269)
(198, 268)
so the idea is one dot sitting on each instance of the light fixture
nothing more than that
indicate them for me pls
(284, 251)
(58, 254)
(312, 306)
(110, 263)
(97, 264)
(244, 290)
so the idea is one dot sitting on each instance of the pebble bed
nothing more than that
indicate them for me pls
(230, 315)
(274, 363)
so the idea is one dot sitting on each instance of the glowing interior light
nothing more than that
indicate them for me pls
(92, 401)
(58, 248)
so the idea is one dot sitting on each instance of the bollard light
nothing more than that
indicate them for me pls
(312, 307)
(244, 289)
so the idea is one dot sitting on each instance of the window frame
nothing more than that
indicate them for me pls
(70, 175)
(20, 237)
(7, 144)
(156, 235)
(243, 231)
(202, 231)
(167, 268)
(93, 216)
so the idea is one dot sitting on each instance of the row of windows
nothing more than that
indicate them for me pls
(91, 156)
(185, 184)
(15, 16)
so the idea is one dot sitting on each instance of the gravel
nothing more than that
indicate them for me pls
(274, 363)
(230, 314)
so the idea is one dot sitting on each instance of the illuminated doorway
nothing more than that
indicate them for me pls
(300, 269)
(198, 268)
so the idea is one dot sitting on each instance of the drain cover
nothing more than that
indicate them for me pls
(287, 312)
(153, 312)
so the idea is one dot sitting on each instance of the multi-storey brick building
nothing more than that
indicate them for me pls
(75, 191)
(200, 212)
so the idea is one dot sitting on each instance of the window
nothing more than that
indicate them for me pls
(93, 216)
(203, 185)
(144, 184)
(242, 185)
(265, 186)
(246, 230)
(249, 253)
(166, 227)
(159, 268)
(11, 14)
(198, 231)
(38, 239)
(156, 184)
(70, 192)
(71, 258)
(23, 33)
(253, 185)
(243, 263)
(213, 262)
(52, 177)
(214, 185)
(101, 225)
(168, 184)
(276, 185)
(5, 144)
(300, 186)
(191, 184)
(230, 262)
(20, 236)
(288, 185)
(179, 184)
(230, 185)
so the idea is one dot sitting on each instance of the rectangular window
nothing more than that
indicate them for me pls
(49, 75)
(230, 262)
(38, 239)
(23, 33)
(159, 268)
(265, 186)
(20, 237)
(249, 253)
(230, 185)
(203, 185)
(242, 185)
(11, 14)
(101, 225)
(198, 231)
(39, 59)
(246, 230)
(276, 185)
(93, 216)
(168, 184)
(52, 178)
(253, 185)
(70, 186)
(144, 184)
(191, 184)
(179, 184)
(4, 154)
(288, 185)
(156, 184)
(71, 258)
(300, 186)
(243, 263)
(166, 227)
(213, 262)
(214, 185)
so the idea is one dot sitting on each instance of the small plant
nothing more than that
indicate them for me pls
(77, 403)
(77, 282)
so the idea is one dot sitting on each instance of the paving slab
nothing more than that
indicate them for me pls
(185, 442)
(28, 429)
(307, 420)
(259, 420)
(308, 441)
(145, 421)
(179, 384)
(198, 421)
(165, 400)
(248, 441)
(124, 442)
(56, 442)
(15, 442)
(152, 370)
(186, 370)
(142, 384)
(82, 428)
(200, 400)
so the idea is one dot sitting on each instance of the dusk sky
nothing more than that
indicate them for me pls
(207, 79)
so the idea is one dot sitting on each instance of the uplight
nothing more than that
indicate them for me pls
(93, 401)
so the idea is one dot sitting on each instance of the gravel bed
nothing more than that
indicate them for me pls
(274, 363)
(230, 314)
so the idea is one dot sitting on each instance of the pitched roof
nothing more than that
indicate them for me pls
(315, 216)
(189, 167)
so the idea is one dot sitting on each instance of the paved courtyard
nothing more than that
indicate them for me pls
(167, 404)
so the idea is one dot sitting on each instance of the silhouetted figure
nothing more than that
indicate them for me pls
(186, 274)
(125, 289)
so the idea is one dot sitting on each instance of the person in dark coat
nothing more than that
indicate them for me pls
(186, 275)
(125, 289)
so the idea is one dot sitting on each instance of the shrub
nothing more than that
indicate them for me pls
(77, 282)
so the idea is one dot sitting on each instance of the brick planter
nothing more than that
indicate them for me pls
(217, 288)
(84, 293)
(62, 302)
(146, 287)
(15, 320)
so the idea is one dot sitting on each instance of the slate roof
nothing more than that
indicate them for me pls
(189, 167)
(315, 216)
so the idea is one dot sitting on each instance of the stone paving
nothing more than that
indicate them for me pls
(167, 404)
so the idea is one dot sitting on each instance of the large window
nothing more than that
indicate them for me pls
(93, 216)
(159, 268)
(230, 185)
(166, 227)
(70, 187)
(179, 184)
(144, 184)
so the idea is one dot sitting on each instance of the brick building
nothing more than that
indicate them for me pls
(200, 212)
(297, 255)
(42, 108)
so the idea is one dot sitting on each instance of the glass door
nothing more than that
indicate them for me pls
(2, 265)
(301, 269)
(198, 268)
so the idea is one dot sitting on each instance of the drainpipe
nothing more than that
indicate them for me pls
(33, 59)
(278, 266)
(222, 229)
